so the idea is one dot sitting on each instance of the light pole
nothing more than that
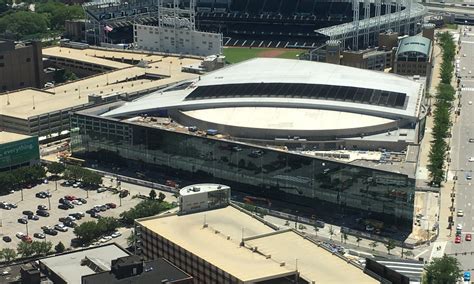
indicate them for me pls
(21, 193)
(49, 200)
(26, 224)
(56, 184)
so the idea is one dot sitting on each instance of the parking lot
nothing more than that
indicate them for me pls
(9, 218)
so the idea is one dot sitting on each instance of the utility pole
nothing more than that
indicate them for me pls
(49, 201)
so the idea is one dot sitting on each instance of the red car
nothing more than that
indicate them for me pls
(468, 237)
(70, 197)
(111, 205)
(457, 240)
(27, 239)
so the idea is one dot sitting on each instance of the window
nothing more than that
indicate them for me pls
(28, 59)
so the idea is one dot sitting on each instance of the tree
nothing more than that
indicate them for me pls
(57, 13)
(443, 270)
(8, 254)
(316, 230)
(373, 245)
(331, 232)
(161, 197)
(390, 245)
(131, 239)
(56, 168)
(358, 239)
(408, 254)
(41, 248)
(344, 235)
(152, 194)
(143, 209)
(62, 76)
(107, 225)
(87, 231)
(59, 248)
(91, 178)
(23, 23)
(25, 249)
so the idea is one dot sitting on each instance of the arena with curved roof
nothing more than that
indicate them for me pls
(280, 100)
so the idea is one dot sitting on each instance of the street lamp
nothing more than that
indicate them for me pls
(26, 224)
(49, 200)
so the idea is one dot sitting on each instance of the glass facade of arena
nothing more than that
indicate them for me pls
(286, 176)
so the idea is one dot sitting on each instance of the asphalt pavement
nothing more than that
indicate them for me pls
(462, 150)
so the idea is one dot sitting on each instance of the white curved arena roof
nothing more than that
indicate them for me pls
(287, 71)
(286, 118)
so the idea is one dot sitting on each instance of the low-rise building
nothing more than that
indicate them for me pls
(227, 245)
(17, 150)
(205, 196)
(413, 56)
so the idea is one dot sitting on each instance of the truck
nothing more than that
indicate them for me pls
(212, 132)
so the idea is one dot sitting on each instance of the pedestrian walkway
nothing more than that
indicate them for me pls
(438, 249)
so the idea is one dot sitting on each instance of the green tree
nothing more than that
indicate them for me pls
(358, 239)
(331, 232)
(57, 13)
(443, 270)
(152, 194)
(131, 239)
(59, 248)
(41, 248)
(408, 254)
(345, 237)
(91, 178)
(56, 168)
(373, 245)
(87, 231)
(23, 23)
(8, 254)
(107, 225)
(62, 76)
(25, 249)
(161, 197)
(143, 209)
(390, 245)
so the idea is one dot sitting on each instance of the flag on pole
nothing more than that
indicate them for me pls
(108, 28)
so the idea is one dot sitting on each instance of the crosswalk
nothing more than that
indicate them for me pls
(438, 249)
(468, 89)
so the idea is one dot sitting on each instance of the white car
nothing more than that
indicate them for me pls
(471, 159)
(76, 202)
(460, 213)
(459, 227)
(60, 227)
(116, 235)
(76, 185)
(470, 102)
(20, 235)
(101, 189)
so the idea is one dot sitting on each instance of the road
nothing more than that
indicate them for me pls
(462, 149)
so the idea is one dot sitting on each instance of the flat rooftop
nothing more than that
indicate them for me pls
(126, 79)
(68, 266)
(202, 187)
(314, 263)
(223, 249)
(7, 137)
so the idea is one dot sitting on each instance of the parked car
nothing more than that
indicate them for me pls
(111, 205)
(116, 235)
(124, 193)
(101, 189)
(63, 206)
(7, 239)
(27, 239)
(70, 197)
(76, 202)
(33, 217)
(28, 212)
(76, 215)
(42, 213)
(39, 235)
(468, 237)
(62, 200)
(96, 215)
(467, 276)
(82, 200)
(23, 220)
(20, 235)
(41, 195)
(42, 207)
(60, 227)
(51, 232)
(70, 224)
